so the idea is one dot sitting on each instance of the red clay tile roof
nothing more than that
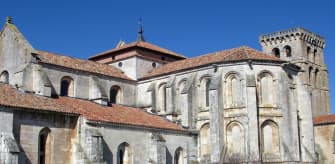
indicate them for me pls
(78, 64)
(236, 54)
(140, 44)
(324, 119)
(118, 114)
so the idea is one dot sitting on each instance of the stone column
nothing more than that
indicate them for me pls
(253, 136)
(215, 127)
(288, 131)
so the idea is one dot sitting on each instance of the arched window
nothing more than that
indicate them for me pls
(205, 148)
(204, 92)
(266, 89)
(233, 90)
(124, 154)
(276, 52)
(44, 146)
(67, 87)
(270, 137)
(4, 77)
(288, 51)
(235, 138)
(161, 98)
(179, 156)
(115, 95)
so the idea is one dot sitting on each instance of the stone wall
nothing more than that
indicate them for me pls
(27, 128)
(144, 145)
(325, 142)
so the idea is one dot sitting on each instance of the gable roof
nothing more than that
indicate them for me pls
(324, 119)
(139, 44)
(118, 114)
(78, 64)
(236, 54)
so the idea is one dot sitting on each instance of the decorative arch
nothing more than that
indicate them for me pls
(67, 86)
(204, 91)
(276, 52)
(115, 95)
(288, 51)
(124, 154)
(161, 99)
(44, 146)
(179, 156)
(235, 138)
(4, 77)
(205, 146)
(233, 89)
(270, 137)
(266, 89)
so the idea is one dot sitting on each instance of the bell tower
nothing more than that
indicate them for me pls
(305, 49)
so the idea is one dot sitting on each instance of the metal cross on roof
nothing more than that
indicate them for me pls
(140, 36)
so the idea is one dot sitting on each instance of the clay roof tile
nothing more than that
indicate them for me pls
(118, 114)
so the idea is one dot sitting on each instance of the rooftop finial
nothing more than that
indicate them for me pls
(9, 19)
(140, 31)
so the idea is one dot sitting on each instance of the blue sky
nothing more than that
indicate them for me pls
(84, 28)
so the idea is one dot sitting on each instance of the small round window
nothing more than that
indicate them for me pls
(120, 64)
(154, 65)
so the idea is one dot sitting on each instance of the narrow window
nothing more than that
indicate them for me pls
(4, 77)
(124, 154)
(316, 57)
(44, 144)
(115, 95)
(207, 92)
(67, 87)
(276, 52)
(288, 51)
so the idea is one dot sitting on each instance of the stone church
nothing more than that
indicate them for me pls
(139, 103)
